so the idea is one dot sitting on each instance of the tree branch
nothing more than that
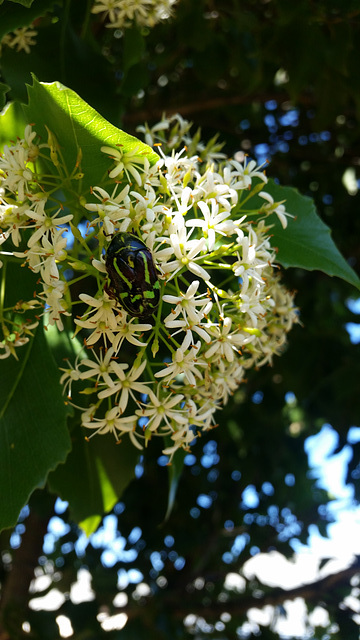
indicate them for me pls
(15, 592)
(210, 104)
(313, 592)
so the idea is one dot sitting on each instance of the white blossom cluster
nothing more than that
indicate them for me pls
(23, 206)
(222, 306)
(124, 13)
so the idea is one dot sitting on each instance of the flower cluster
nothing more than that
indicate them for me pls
(222, 308)
(124, 13)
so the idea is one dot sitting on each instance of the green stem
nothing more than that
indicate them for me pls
(64, 26)
(251, 194)
(2, 289)
(86, 21)
(166, 338)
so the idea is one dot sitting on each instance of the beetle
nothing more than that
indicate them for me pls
(133, 278)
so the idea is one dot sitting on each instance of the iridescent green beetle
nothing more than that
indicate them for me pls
(133, 279)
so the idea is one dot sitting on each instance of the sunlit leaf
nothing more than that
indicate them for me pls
(77, 126)
(12, 123)
(307, 241)
(94, 476)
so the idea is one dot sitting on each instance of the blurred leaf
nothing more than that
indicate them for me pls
(25, 3)
(175, 470)
(306, 242)
(134, 47)
(135, 80)
(94, 476)
(13, 16)
(323, 562)
(4, 88)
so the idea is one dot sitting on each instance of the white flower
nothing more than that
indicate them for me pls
(213, 221)
(113, 423)
(163, 409)
(201, 414)
(178, 130)
(125, 384)
(44, 256)
(4, 350)
(22, 39)
(103, 322)
(183, 204)
(177, 165)
(253, 305)
(227, 378)
(150, 132)
(99, 368)
(71, 374)
(128, 162)
(53, 296)
(110, 7)
(187, 304)
(127, 329)
(212, 186)
(13, 219)
(226, 342)
(240, 175)
(184, 364)
(189, 327)
(32, 147)
(185, 252)
(253, 258)
(15, 336)
(275, 207)
(182, 437)
(13, 165)
(45, 223)
(147, 205)
(111, 208)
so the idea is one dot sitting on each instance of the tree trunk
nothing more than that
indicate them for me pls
(15, 590)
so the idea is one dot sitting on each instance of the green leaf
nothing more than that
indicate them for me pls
(77, 126)
(306, 242)
(134, 47)
(94, 476)
(34, 436)
(33, 433)
(63, 344)
(25, 3)
(12, 123)
(4, 88)
(13, 16)
(95, 473)
(175, 470)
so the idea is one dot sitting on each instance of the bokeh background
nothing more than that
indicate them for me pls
(263, 537)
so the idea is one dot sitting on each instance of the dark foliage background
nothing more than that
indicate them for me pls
(279, 80)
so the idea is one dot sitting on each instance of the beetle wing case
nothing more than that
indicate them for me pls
(132, 275)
